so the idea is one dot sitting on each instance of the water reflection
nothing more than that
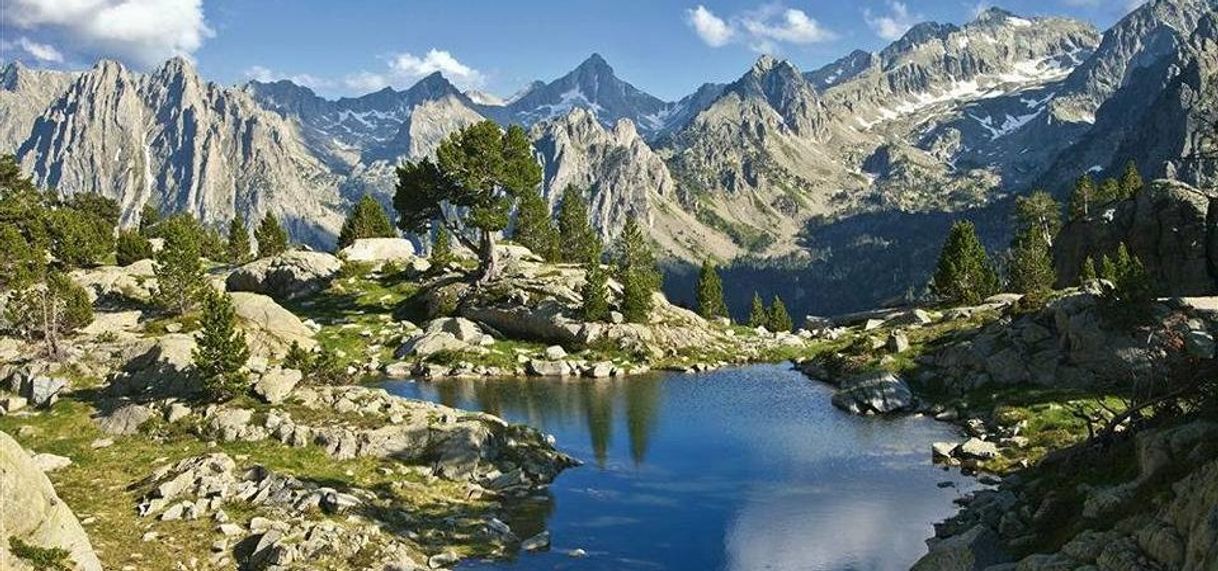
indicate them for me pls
(738, 469)
(559, 403)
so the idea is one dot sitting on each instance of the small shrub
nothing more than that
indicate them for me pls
(40, 558)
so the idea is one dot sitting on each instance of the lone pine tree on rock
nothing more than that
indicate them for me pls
(535, 229)
(271, 237)
(221, 352)
(575, 232)
(637, 272)
(178, 267)
(470, 188)
(758, 316)
(238, 248)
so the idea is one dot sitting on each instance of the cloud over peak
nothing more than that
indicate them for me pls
(762, 29)
(141, 32)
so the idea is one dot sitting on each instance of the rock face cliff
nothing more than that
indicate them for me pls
(174, 141)
(1169, 226)
(33, 513)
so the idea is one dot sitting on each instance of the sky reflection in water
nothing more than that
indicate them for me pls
(739, 469)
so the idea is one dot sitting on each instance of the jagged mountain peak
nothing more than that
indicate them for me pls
(993, 15)
(916, 36)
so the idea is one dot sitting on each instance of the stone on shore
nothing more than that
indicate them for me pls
(873, 393)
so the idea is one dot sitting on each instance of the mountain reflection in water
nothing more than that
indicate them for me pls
(739, 469)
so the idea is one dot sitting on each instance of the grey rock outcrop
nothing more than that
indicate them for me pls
(34, 513)
(287, 276)
(1169, 227)
(270, 329)
(878, 393)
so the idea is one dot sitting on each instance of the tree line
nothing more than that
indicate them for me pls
(966, 274)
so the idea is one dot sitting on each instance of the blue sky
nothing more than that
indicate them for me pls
(665, 47)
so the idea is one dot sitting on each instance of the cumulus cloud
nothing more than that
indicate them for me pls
(712, 29)
(141, 32)
(404, 68)
(761, 29)
(892, 25)
(412, 67)
(267, 75)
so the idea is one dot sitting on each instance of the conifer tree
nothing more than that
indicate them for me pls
(576, 234)
(779, 319)
(1132, 284)
(535, 229)
(637, 272)
(595, 291)
(271, 237)
(470, 187)
(238, 247)
(964, 274)
(221, 352)
(48, 309)
(79, 238)
(1038, 213)
(758, 316)
(178, 268)
(1087, 273)
(1131, 180)
(131, 247)
(441, 249)
(1110, 191)
(1082, 197)
(710, 292)
(366, 220)
(21, 263)
(1031, 270)
(149, 217)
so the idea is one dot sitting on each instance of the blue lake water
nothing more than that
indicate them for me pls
(738, 469)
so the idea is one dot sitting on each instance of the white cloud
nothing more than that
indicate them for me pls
(411, 67)
(712, 29)
(894, 24)
(267, 75)
(142, 32)
(366, 82)
(762, 28)
(41, 52)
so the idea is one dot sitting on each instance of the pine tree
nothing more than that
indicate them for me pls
(221, 351)
(178, 268)
(21, 263)
(1125, 271)
(1038, 213)
(271, 237)
(637, 271)
(131, 247)
(441, 250)
(1087, 273)
(576, 234)
(758, 316)
(595, 292)
(1131, 180)
(1110, 191)
(779, 319)
(535, 229)
(149, 217)
(1031, 270)
(367, 220)
(710, 292)
(1082, 198)
(238, 247)
(964, 274)
(79, 238)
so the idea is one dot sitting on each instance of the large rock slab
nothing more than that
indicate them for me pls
(287, 276)
(163, 368)
(30, 510)
(134, 283)
(379, 250)
(973, 550)
(269, 328)
(875, 393)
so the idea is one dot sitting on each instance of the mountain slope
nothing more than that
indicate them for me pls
(170, 139)
(591, 86)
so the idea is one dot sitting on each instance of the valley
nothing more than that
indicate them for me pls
(950, 304)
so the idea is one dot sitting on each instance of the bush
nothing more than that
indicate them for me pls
(79, 239)
(41, 558)
(132, 247)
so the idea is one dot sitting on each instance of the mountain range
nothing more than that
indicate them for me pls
(803, 170)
